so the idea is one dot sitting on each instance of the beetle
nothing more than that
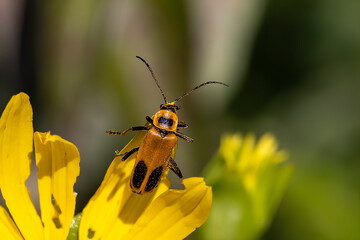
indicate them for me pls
(155, 150)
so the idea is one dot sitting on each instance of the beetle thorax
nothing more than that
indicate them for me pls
(166, 119)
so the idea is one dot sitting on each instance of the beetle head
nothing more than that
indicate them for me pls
(170, 106)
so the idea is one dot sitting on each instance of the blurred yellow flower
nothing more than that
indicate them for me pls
(248, 181)
(57, 161)
(114, 212)
(241, 155)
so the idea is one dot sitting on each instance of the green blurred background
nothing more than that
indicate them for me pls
(293, 68)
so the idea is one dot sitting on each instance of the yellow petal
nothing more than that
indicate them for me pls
(58, 167)
(266, 147)
(246, 158)
(16, 144)
(229, 144)
(8, 228)
(114, 206)
(175, 213)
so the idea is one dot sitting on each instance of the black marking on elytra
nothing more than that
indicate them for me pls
(139, 174)
(153, 179)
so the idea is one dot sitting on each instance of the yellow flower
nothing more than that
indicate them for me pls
(248, 178)
(57, 161)
(114, 212)
(242, 156)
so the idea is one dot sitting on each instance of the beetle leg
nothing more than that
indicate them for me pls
(186, 138)
(127, 154)
(150, 120)
(182, 125)
(173, 166)
(139, 128)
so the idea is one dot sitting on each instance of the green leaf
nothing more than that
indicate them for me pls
(74, 228)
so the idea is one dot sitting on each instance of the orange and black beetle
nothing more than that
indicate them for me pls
(154, 153)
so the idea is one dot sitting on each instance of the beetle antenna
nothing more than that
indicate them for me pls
(153, 75)
(203, 84)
